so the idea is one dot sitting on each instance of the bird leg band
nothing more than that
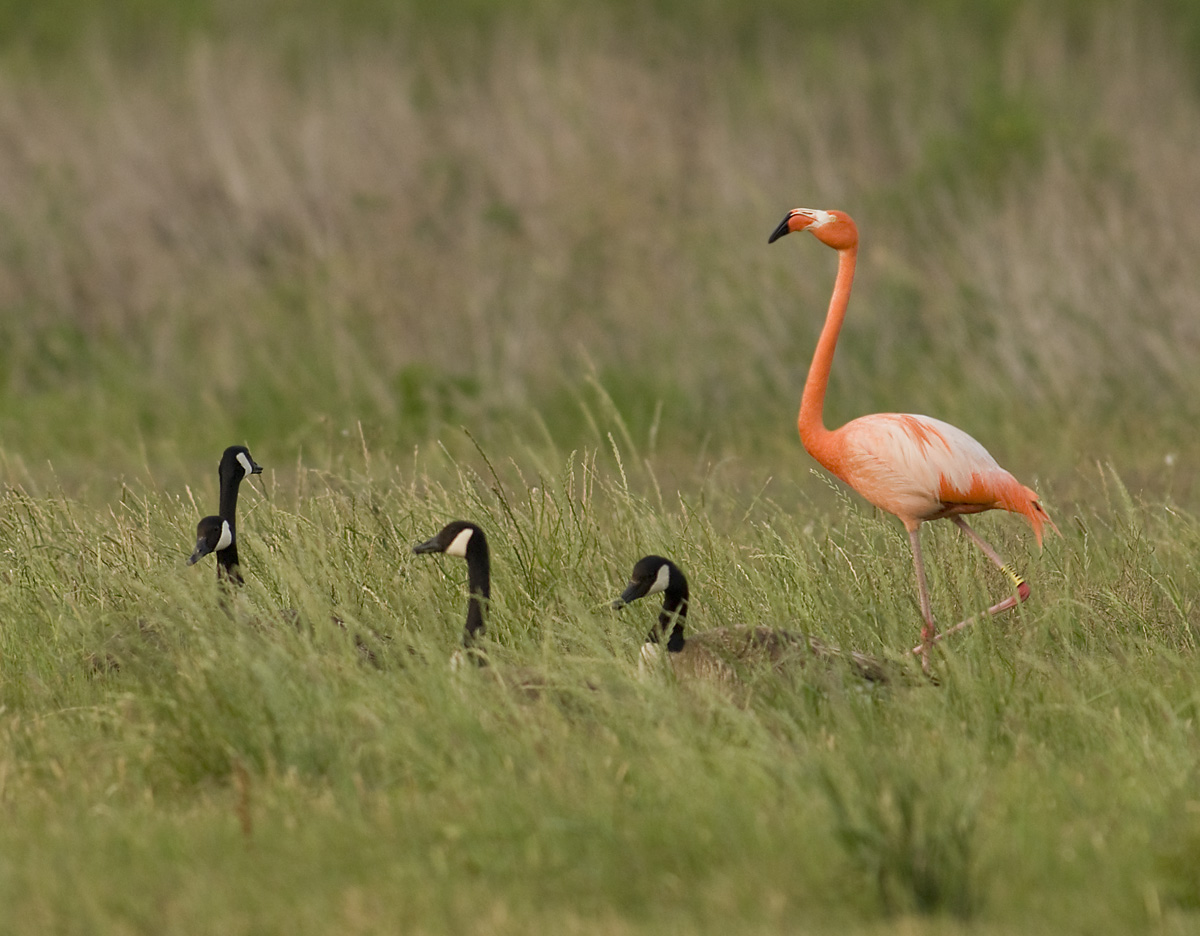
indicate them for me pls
(1013, 576)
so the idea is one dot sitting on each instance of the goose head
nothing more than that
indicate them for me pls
(236, 464)
(213, 534)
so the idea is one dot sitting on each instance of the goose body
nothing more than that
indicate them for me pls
(218, 534)
(721, 651)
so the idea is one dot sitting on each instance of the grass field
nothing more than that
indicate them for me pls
(508, 262)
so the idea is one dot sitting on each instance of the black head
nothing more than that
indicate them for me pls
(237, 463)
(213, 534)
(455, 539)
(651, 575)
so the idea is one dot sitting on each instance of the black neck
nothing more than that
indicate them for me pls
(227, 562)
(480, 585)
(227, 558)
(230, 482)
(671, 618)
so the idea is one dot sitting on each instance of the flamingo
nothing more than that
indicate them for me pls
(914, 467)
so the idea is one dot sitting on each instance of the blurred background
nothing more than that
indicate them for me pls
(289, 223)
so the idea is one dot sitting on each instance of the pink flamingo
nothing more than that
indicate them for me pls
(915, 467)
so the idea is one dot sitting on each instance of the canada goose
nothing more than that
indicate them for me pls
(466, 540)
(715, 652)
(219, 534)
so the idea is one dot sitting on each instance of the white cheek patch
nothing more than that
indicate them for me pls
(458, 546)
(661, 581)
(226, 537)
(245, 463)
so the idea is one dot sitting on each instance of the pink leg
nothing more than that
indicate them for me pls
(1011, 601)
(928, 631)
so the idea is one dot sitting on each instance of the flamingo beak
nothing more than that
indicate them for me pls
(795, 221)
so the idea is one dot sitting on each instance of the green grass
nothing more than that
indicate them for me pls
(249, 772)
(508, 263)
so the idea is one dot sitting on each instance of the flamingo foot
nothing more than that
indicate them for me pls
(1023, 592)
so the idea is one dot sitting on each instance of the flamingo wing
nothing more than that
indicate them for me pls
(920, 468)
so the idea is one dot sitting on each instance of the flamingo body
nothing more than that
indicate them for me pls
(920, 468)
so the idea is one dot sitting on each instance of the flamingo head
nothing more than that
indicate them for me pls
(836, 229)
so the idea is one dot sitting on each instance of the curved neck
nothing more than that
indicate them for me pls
(811, 421)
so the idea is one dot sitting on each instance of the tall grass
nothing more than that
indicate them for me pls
(250, 768)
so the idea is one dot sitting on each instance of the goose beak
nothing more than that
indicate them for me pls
(430, 545)
(202, 550)
(633, 592)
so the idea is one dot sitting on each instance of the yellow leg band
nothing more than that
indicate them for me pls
(1016, 579)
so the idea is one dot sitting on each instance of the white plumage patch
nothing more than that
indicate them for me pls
(245, 463)
(661, 581)
(648, 660)
(458, 546)
(819, 217)
(226, 537)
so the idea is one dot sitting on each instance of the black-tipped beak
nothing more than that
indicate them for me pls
(783, 228)
(202, 550)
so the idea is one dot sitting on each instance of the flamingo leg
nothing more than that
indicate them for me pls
(1021, 586)
(928, 631)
